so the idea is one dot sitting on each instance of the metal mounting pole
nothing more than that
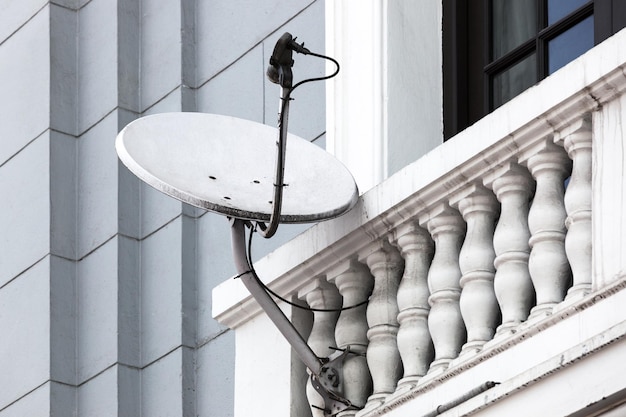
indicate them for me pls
(268, 305)
(326, 373)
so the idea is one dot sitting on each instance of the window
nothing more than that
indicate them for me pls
(495, 49)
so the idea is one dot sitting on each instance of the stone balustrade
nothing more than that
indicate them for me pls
(465, 249)
(498, 251)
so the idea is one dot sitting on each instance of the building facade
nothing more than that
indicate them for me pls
(105, 284)
(489, 236)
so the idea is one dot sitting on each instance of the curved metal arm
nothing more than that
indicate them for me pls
(326, 373)
(265, 301)
(281, 148)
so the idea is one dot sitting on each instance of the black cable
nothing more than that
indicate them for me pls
(326, 77)
(308, 80)
(291, 303)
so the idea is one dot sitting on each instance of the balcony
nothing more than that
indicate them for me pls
(494, 268)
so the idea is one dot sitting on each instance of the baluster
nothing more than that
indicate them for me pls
(548, 266)
(478, 303)
(322, 295)
(414, 341)
(444, 321)
(383, 357)
(514, 289)
(355, 285)
(578, 206)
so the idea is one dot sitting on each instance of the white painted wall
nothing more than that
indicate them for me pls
(414, 81)
(385, 109)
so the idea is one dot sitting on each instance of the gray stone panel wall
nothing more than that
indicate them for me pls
(105, 283)
(24, 85)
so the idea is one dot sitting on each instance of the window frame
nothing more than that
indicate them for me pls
(467, 64)
(536, 45)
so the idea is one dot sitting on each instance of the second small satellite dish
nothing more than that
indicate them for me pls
(225, 164)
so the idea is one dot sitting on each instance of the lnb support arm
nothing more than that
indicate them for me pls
(279, 179)
(326, 373)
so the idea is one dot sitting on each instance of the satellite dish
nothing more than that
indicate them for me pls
(237, 168)
(226, 165)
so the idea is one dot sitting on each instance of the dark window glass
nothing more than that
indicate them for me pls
(512, 81)
(558, 9)
(570, 44)
(514, 22)
(520, 30)
(495, 49)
